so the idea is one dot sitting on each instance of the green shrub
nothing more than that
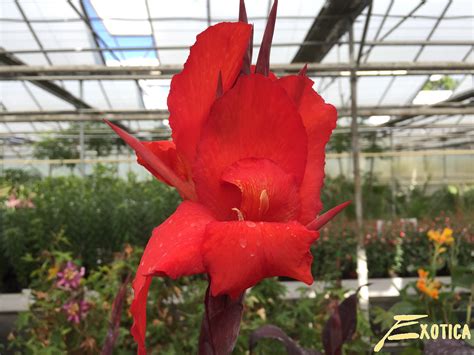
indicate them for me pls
(172, 327)
(98, 213)
(101, 212)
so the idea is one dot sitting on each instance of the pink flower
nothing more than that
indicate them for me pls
(70, 277)
(76, 310)
(15, 202)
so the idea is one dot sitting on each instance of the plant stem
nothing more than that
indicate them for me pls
(469, 306)
(220, 324)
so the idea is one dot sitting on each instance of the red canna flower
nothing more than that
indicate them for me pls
(247, 156)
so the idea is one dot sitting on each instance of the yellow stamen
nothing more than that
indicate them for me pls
(240, 216)
(264, 203)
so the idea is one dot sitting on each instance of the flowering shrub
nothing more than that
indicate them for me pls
(78, 320)
(69, 277)
(76, 311)
(16, 202)
(443, 303)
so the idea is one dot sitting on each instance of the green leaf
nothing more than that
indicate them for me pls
(462, 276)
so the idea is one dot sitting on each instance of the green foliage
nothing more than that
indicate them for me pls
(174, 313)
(18, 177)
(101, 212)
(417, 202)
(173, 327)
(335, 252)
(96, 142)
(394, 248)
(54, 148)
(339, 143)
(444, 83)
(98, 213)
(61, 148)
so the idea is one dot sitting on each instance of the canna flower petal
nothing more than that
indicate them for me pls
(447, 236)
(219, 49)
(434, 235)
(166, 152)
(319, 119)
(255, 119)
(267, 192)
(239, 254)
(154, 161)
(174, 250)
(245, 146)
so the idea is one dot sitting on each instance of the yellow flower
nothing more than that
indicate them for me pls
(422, 274)
(433, 235)
(440, 238)
(52, 272)
(427, 286)
(447, 236)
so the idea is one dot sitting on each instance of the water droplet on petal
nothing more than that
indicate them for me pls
(243, 242)
(251, 224)
(252, 255)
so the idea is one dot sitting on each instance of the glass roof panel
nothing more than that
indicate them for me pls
(48, 101)
(16, 35)
(124, 23)
(11, 91)
(123, 94)
(403, 89)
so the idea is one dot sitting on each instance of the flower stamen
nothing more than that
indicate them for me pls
(264, 203)
(240, 215)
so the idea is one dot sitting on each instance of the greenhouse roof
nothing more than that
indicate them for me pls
(68, 60)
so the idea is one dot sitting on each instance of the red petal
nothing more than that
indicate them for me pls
(321, 221)
(166, 152)
(319, 119)
(141, 285)
(268, 193)
(238, 255)
(255, 119)
(155, 163)
(173, 250)
(220, 48)
(174, 247)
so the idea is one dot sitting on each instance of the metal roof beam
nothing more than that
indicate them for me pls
(453, 43)
(334, 19)
(16, 68)
(145, 115)
(10, 61)
(458, 98)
